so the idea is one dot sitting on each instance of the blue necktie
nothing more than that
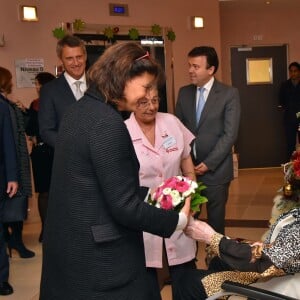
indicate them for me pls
(200, 104)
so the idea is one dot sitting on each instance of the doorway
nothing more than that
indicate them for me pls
(261, 139)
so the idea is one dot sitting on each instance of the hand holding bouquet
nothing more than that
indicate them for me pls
(171, 194)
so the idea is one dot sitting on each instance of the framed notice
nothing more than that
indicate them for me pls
(26, 70)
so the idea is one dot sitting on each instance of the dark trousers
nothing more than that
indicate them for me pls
(153, 282)
(4, 263)
(177, 273)
(217, 196)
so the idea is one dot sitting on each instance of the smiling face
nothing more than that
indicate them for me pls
(147, 108)
(135, 90)
(74, 61)
(198, 71)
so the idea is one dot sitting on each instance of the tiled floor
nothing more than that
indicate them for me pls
(250, 198)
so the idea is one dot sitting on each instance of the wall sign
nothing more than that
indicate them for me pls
(26, 70)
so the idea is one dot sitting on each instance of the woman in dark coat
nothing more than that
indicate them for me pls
(13, 228)
(42, 154)
(93, 241)
(8, 187)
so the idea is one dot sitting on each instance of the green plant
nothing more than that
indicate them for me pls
(133, 34)
(171, 35)
(58, 32)
(109, 33)
(78, 24)
(156, 29)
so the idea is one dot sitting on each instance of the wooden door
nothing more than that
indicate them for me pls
(261, 140)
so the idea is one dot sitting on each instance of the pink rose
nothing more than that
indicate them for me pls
(182, 186)
(170, 182)
(166, 202)
(158, 192)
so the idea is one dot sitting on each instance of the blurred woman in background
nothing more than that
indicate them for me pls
(41, 154)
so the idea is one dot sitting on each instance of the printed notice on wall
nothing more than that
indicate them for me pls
(26, 70)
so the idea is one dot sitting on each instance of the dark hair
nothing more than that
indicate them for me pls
(210, 53)
(294, 64)
(70, 41)
(44, 77)
(5, 80)
(118, 64)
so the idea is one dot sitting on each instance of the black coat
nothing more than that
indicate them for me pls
(8, 159)
(93, 243)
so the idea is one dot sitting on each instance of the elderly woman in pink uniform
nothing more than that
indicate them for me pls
(162, 145)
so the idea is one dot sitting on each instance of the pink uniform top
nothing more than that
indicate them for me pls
(172, 144)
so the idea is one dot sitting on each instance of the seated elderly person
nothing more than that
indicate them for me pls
(247, 262)
(243, 262)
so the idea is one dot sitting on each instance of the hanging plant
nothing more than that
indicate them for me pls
(171, 35)
(78, 24)
(156, 29)
(109, 33)
(133, 34)
(59, 32)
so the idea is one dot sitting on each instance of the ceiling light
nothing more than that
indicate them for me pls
(28, 13)
(197, 22)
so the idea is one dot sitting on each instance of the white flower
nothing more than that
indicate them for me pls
(176, 198)
(167, 191)
(187, 193)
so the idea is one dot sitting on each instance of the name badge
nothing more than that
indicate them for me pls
(169, 142)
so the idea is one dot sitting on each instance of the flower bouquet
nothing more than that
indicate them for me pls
(171, 194)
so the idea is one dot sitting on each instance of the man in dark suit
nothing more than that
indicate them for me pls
(212, 113)
(58, 94)
(9, 185)
(289, 100)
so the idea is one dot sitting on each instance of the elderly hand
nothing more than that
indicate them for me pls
(199, 231)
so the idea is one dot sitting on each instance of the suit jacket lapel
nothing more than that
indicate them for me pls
(66, 90)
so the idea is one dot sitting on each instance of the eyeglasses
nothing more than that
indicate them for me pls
(144, 103)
